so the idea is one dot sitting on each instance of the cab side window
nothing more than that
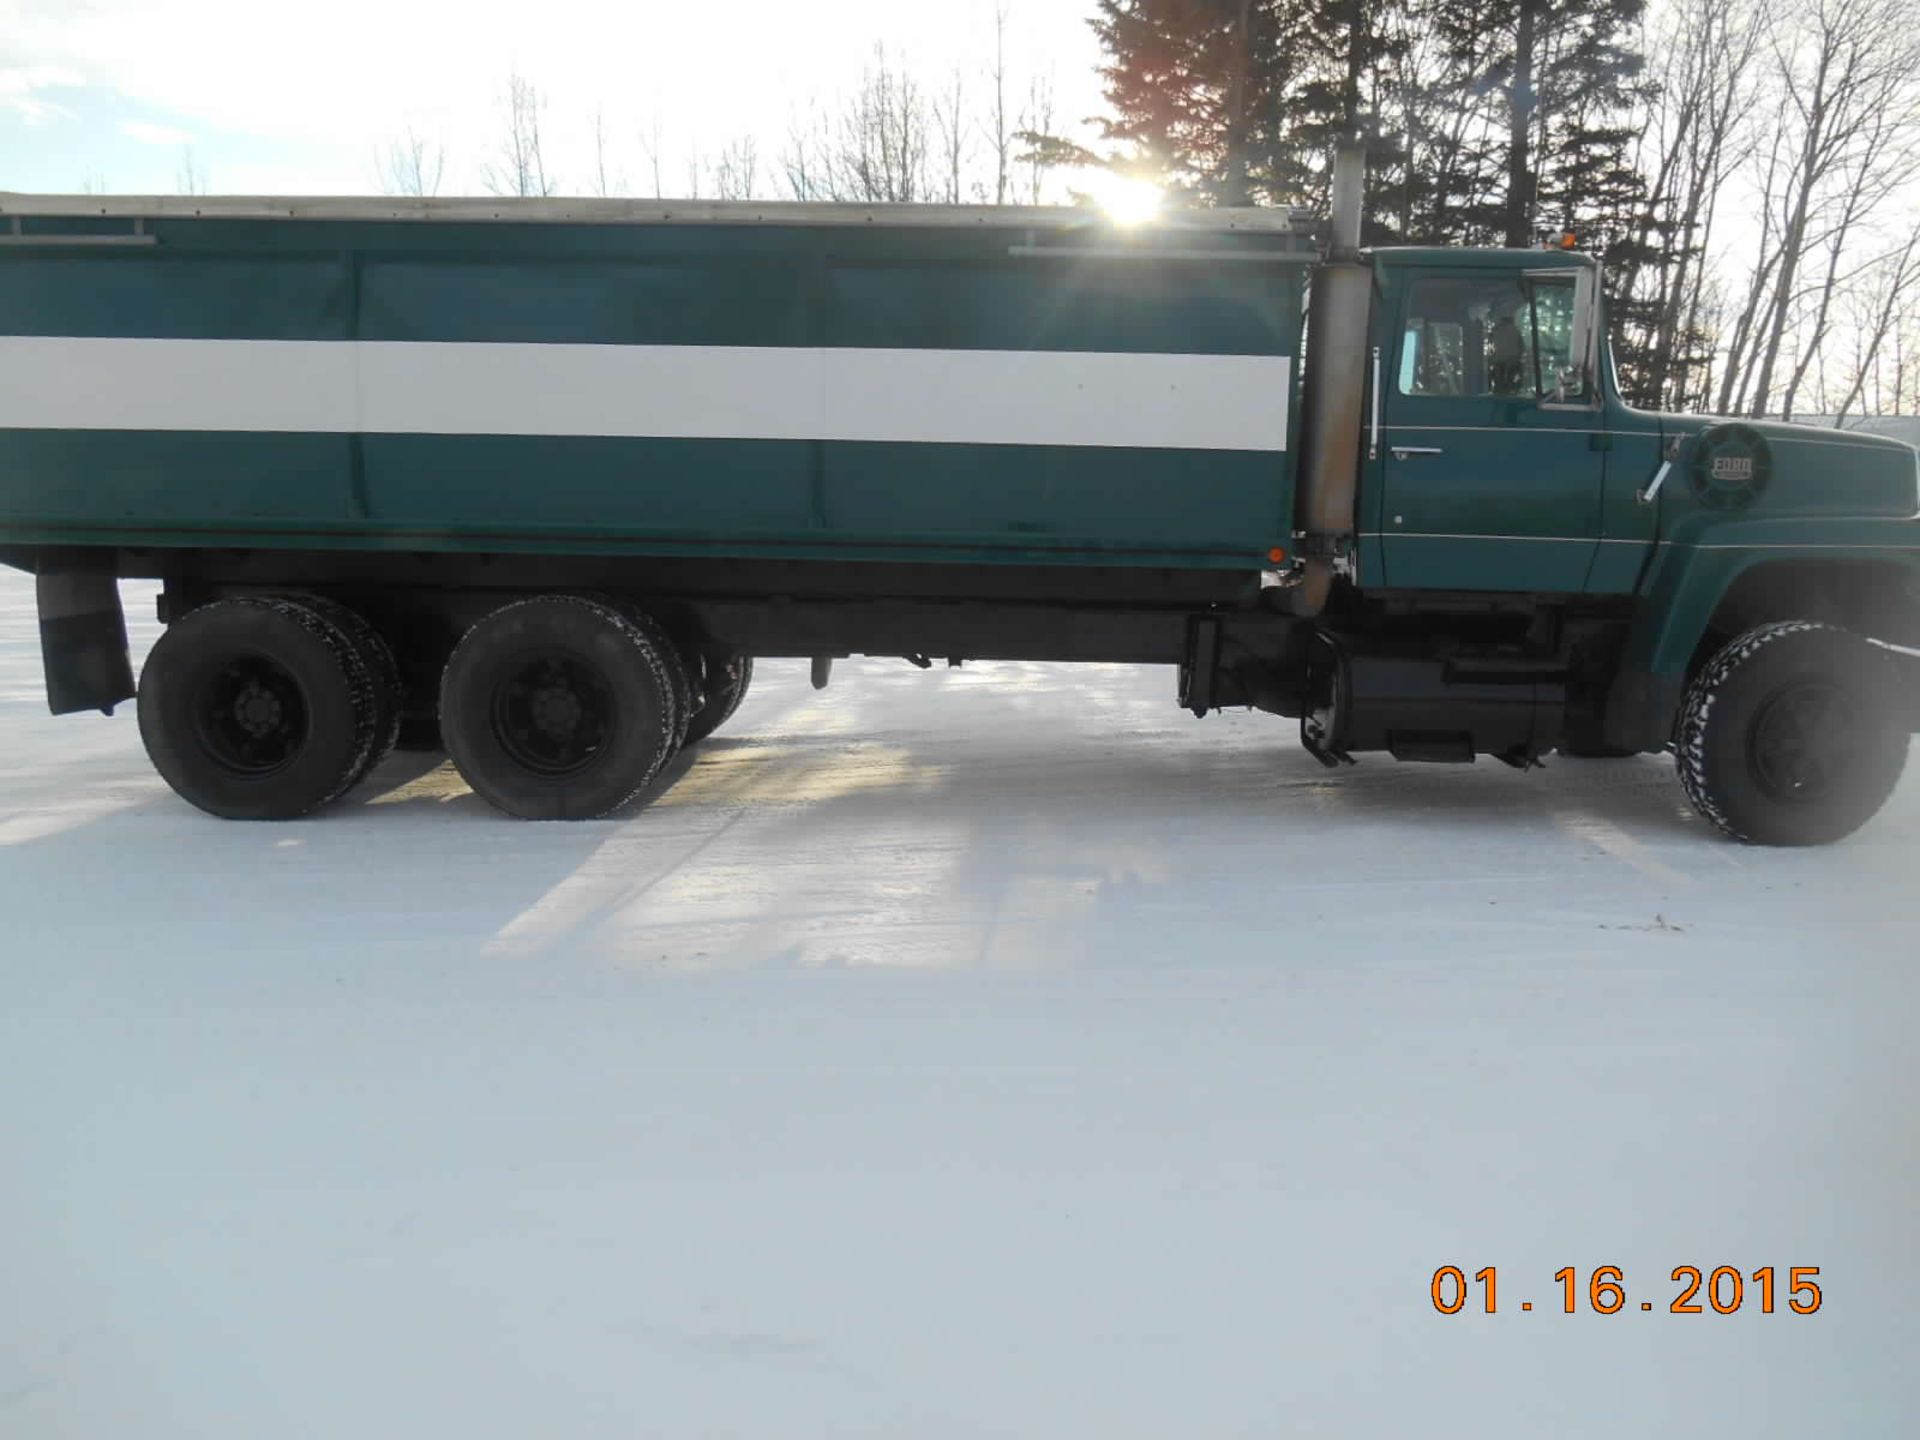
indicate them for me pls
(1502, 335)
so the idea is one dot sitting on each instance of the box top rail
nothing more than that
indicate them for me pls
(593, 211)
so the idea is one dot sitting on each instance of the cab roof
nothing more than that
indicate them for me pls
(1491, 258)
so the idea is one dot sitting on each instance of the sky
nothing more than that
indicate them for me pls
(292, 97)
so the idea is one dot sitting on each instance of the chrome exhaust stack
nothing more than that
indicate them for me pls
(1333, 409)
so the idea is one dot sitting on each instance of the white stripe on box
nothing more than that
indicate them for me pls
(983, 397)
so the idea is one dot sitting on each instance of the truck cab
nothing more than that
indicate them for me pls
(1491, 458)
(1501, 457)
(1537, 565)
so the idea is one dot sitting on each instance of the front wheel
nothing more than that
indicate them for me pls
(1792, 735)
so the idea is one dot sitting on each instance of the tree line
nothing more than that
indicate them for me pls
(968, 136)
(1748, 170)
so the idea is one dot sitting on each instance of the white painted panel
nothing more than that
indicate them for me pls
(1207, 402)
(69, 383)
(662, 391)
(1046, 397)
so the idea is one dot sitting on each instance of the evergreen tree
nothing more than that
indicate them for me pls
(1354, 59)
(1553, 84)
(1198, 90)
(1241, 101)
(1590, 90)
(1487, 121)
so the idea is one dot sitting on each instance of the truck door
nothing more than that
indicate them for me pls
(1490, 448)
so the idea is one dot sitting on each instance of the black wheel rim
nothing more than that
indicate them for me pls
(250, 716)
(552, 713)
(1803, 740)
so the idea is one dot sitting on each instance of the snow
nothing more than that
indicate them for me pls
(991, 1052)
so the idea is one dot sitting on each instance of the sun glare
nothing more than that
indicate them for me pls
(1128, 199)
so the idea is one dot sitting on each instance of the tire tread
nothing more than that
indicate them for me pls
(1693, 732)
(616, 618)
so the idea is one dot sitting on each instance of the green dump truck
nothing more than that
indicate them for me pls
(538, 480)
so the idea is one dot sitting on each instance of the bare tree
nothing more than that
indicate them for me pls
(1882, 308)
(650, 142)
(604, 184)
(1904, 365)
(950, 127)
(1842, 140)
(802, 161)
(190, 179)
(1000, 121)
(881, 153)
(1691, 143)
(1036, 158)
(871, 147)
(412, 165)
(1736, 371)
(736, 173)
(521, 168)
(973, 135)
(1022, 149)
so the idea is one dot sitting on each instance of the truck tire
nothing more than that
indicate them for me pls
(381, 667)
(257, 709)
(557, 708)
(1790, 735)
(676, 668)
(727, 683)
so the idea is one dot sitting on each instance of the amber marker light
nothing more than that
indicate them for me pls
(1277, 555)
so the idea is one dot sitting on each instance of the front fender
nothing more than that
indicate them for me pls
(1688, 576)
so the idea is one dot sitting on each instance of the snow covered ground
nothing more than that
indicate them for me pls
(995, 1052)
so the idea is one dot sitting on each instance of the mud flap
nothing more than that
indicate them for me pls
(1328, 713)
(1199, 671)
(83, 633)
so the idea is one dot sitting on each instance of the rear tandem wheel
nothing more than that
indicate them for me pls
(726, 686)
(260, 708)
(559, 707)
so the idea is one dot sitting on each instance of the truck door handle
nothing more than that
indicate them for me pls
(1401, 452)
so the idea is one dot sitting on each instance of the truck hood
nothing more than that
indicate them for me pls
(1809, 470)
(1675, 424)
